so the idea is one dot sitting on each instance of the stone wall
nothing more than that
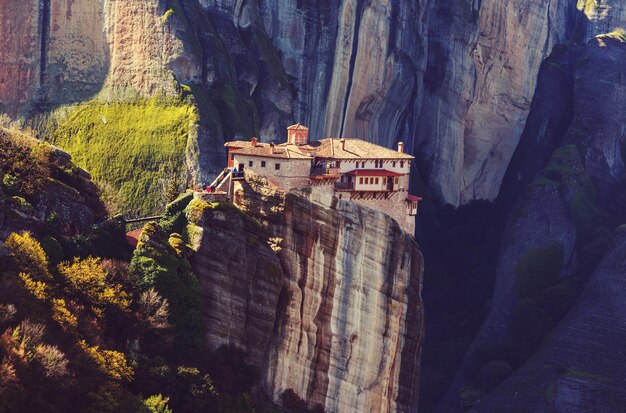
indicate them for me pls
(293, 173)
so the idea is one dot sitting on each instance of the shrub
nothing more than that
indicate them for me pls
(110, 363)
(157, 404)
(87, 278)
(62, 315)
(37, 288)
(155, 264)
(28, 254)
(52, 360)
(10, 183)
(7, 312)
(153, 310)
(174, 219)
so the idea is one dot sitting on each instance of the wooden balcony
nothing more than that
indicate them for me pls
(344, 186)
(325, 173)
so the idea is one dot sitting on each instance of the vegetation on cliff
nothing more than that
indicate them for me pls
(85, 326)
(133, 149)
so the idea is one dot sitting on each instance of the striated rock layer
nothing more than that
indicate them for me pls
(559, 229)
(331, 309)
(453, 80)
(349, 334)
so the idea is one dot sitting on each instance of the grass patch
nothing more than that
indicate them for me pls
(132, 147)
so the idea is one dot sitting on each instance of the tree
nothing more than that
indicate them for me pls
(87, 278)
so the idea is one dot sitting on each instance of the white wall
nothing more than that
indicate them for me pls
(350, 165)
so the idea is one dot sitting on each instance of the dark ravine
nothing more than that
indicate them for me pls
(44, 30)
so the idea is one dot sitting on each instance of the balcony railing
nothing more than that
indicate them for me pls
(325, 171)
(344, 186)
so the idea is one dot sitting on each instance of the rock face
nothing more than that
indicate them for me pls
(68, 200)
(577, 368)
(241, 279)
(560, 227)
(380, 70)
(19, 42)
(332, 311)
(349, 339)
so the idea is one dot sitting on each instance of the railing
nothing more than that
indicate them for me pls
(321, 171)
(219, 178)
(344, 186)
(134, 220)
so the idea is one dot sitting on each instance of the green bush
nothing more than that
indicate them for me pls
(10, 183)
(157, 404)
(174, 219)
(156, 264)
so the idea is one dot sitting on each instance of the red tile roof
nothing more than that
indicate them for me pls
(133, 237)
(353, 148)
(329, 148)
(239, 144)
(283, 151)
(297, 126)
(373, 172)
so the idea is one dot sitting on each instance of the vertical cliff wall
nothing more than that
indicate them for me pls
(20, 45)
(347, 339)
(561, 226)
(454, 80)
(325, 299)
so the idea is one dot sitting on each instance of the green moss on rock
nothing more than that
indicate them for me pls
(130, 147)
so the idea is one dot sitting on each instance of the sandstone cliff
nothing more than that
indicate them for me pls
(323, 295)
(385, 71)
(560, 228)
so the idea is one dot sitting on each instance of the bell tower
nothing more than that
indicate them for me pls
(297, 134)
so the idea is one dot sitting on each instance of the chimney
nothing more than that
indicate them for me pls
(254, 141)
(401, 147)
(343, 144)
(272, 151)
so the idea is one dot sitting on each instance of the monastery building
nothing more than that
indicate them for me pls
(353, 169)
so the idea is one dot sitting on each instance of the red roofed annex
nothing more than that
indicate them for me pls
(353, 169)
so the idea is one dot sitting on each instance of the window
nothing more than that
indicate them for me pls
(395, 180)
(277, 166)
(232, 156)
(376, 181)
(401, 164)
(250, 163)
(360, 181)
(262, 164)
(394, 163)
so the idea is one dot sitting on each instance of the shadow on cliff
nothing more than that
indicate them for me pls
(462, 248)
